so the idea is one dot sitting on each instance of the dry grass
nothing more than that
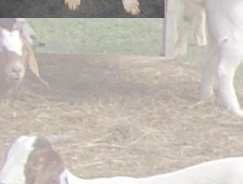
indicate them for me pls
(134, 116)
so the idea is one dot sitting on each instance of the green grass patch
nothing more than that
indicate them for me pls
(100, 36)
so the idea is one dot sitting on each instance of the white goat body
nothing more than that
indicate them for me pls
(225, 26)
(226, 171)
(29, 154)
(224, 20)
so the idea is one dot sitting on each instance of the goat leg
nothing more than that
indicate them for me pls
(72, 4)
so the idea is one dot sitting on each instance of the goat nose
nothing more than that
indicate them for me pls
(16, 69)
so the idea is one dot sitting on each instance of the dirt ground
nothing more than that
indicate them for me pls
(135, 116)
(88, 9)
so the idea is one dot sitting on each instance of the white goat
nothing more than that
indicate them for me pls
(131, 6)
(225, 25)
(15, 54)
(27, 30)
(193, 15)
(32, 160)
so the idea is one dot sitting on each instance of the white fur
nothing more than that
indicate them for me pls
(225, 53)
(225, 23)
(11, 41)
(12, 171)
(224, 171)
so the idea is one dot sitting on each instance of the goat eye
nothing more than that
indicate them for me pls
(33, 37)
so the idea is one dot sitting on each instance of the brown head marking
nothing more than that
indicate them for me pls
(44, 165)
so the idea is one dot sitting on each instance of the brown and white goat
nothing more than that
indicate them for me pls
(32, 160)
(15, 55)
(131, 6)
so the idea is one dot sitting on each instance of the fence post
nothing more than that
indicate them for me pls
(169, 36)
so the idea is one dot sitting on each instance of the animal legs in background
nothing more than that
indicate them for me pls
(131, 6)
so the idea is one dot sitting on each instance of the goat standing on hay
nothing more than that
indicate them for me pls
(32, 160)
(15, 54)
(131, 6)
(225, 25)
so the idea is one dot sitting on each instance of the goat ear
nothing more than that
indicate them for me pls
(32, 63)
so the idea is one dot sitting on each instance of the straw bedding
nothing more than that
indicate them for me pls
(134, 116)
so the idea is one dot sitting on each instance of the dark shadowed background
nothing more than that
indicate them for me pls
(89, 8)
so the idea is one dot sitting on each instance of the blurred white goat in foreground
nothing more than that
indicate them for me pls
(32, 160)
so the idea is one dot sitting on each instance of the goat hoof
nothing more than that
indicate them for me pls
(238, 112)
(132, 6)
(72, 4)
